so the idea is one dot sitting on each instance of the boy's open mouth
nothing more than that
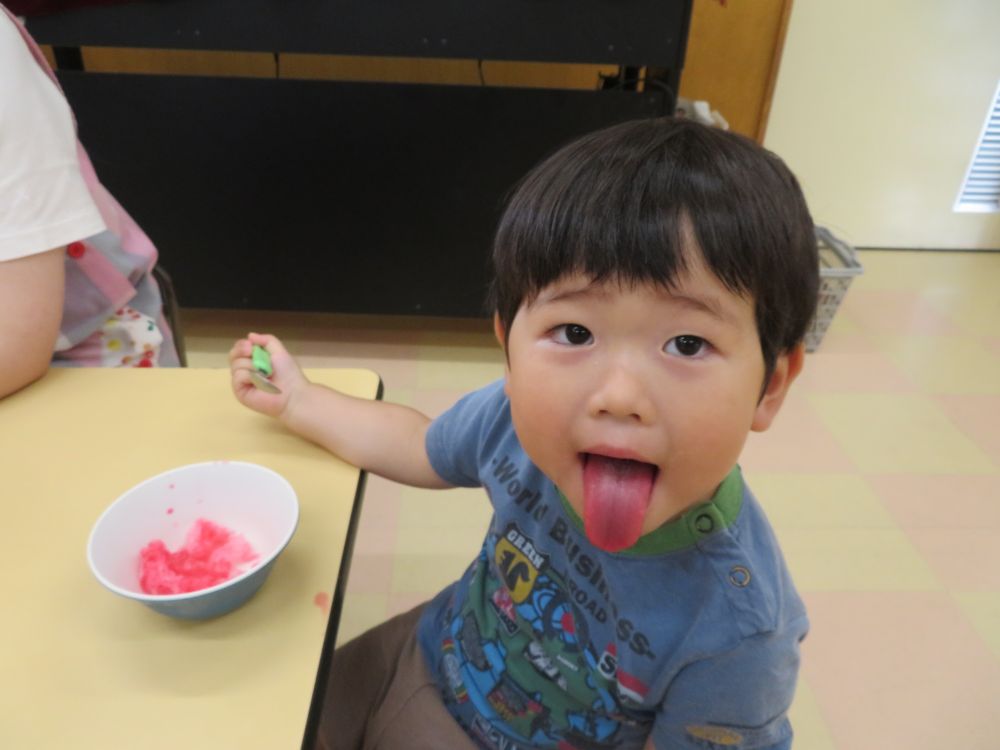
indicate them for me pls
(616, 495)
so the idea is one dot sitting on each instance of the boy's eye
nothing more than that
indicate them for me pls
(573, 334)
(686, 346)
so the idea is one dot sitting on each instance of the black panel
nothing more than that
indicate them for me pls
(312, 195)
(633, 32)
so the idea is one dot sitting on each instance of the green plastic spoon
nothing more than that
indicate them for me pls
(262, 370)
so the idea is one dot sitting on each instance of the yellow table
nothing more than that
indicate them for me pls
(81, 667)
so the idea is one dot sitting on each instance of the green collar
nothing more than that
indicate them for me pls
(695, 524)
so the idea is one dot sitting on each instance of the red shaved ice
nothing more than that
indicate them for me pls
(211, 554)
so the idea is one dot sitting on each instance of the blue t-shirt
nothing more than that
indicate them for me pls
(691, 636)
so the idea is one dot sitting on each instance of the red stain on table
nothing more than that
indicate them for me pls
(322, 600)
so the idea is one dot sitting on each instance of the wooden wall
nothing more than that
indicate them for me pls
(733, 55)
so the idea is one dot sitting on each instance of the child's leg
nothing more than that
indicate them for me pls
(380, 695)
(360, 675)
(412, 715)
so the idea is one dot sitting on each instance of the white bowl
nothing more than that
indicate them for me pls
(245, 498)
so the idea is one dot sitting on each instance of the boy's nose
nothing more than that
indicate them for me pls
(621, 393)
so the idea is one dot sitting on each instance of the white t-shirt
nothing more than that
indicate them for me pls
(44, 202)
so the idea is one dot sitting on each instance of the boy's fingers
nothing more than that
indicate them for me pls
(240, 348)
(269, 342)
(240, 361)
(241, 377)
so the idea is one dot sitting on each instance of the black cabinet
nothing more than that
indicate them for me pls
(346, 197)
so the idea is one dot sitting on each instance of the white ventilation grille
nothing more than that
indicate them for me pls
(980, 191)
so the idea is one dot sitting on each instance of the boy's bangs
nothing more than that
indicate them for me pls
(602, 228)
(630, 214)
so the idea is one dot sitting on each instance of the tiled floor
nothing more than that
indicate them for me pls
(881, 477)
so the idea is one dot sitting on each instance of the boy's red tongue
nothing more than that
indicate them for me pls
(616, 495)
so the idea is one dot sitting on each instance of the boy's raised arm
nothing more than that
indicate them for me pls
(383, 438)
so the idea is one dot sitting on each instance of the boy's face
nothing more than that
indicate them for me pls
(636, 401)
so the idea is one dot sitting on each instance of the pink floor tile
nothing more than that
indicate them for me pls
(378, 525)
(978, 416)
(853, 371)
(900, 670)
(433, 402)
(394, 371)
(370, 573)
(845, 340)
(404, 602)
(797, 441)
(964, 559)
(940, 501)
(893, 312)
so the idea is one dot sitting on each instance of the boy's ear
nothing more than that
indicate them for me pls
(499, 332)
(786, 369)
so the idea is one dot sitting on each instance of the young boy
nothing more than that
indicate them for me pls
(653, 284)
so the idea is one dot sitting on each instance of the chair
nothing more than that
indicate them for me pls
(171, 310)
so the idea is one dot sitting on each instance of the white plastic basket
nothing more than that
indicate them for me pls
(839, 265)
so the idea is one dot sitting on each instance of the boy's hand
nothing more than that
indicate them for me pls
(386, 439)
(287, 375)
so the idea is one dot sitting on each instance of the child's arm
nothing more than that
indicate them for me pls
(32, 289)
(383, 438)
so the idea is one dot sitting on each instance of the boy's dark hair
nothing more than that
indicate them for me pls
(617, 203)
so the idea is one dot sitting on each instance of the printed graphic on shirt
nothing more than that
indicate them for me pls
(526, 498)
(518, 563)
(584, 578)
(520, 651)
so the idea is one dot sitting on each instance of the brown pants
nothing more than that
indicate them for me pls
(380, 695)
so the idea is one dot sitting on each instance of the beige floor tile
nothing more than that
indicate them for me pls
(361, 611)
(834, 372)
(979, 418)
(889, 312)
(888, 432)
(426, 573)
(430, 401)
(846, 335)
(370, 572)
(983, 610)
(797, 441)
(855, 559)
(404, 602)
(447, 509)
(437, 369)
(963, 559)
(449, 522)
(377, 526)
(811, 730)
(974, 309)
(831, 501)
(951, 501)
(946, 364)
